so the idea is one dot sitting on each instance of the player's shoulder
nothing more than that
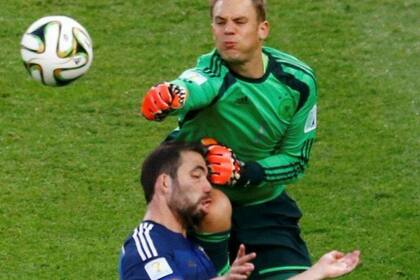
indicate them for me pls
(147, 249)
(289, 62)
(149, 240)
(209, 70)
(210, 65)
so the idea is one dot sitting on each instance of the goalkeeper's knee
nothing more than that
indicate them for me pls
(219, 216)
(214, 231)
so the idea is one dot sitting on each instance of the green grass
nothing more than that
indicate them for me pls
(69, 156)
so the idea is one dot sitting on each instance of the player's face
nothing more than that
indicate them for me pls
(190, 197)
(237, 32)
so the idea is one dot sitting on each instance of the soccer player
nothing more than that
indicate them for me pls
(260, 104)
(178, 196)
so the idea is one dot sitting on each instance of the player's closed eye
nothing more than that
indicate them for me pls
(197, 175)
(219, 21)
(240, 21)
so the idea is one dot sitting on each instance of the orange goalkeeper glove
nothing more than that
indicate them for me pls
(223, 166)
(161, 99)
(226, 169)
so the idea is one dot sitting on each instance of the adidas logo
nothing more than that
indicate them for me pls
(242, 100)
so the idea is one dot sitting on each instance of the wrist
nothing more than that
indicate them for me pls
(252, 173)
(316, 272)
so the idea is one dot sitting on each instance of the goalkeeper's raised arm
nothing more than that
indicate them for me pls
(193, 90)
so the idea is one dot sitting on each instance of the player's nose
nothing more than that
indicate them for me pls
(229, 28)
(206, 186)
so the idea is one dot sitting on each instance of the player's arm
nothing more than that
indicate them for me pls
(191, 91)
(290, 160)
(285, 166)
(331, 265)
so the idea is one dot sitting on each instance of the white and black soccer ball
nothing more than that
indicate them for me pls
(56, 50)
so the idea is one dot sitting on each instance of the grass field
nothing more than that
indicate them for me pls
(69, 157)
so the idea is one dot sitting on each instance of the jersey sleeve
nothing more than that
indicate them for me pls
(201, 89)
(161, 268)
(291, 159)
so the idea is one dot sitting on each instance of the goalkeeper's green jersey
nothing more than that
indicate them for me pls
(270, 120)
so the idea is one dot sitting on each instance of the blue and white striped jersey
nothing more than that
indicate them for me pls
(154, 252)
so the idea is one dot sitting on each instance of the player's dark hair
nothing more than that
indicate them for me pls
(164, 159)
(260, 7)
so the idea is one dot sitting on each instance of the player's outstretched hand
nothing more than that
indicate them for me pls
(335, 263)
(161, 99)
(224, 167)
(332, 264)
(242, 267)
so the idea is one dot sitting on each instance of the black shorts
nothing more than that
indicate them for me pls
(271, 230)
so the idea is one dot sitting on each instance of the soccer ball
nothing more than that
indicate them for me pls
(56, 50)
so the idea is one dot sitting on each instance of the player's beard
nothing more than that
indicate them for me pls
(188, 213)
(190, 216)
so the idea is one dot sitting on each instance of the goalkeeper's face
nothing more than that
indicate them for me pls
(189, 197)
(237, 31)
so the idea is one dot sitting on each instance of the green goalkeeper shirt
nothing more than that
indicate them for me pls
(270, 120)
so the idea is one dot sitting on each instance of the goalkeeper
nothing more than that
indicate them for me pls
(261, 104)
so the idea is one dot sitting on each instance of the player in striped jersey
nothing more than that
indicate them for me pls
(178, 194)
(261, 103)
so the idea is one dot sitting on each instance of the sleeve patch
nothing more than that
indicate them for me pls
(193, 76)
(310, 123)
(158, 268)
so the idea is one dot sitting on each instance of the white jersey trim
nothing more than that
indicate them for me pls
(144, 243)
(148, 227)
(138, 246)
